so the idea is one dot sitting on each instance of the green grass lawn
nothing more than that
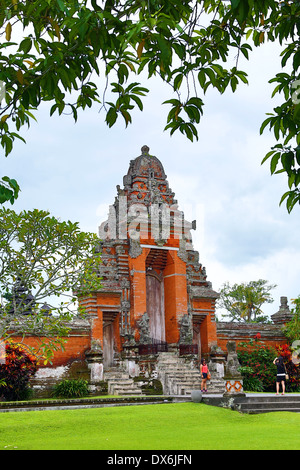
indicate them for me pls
(182, 426)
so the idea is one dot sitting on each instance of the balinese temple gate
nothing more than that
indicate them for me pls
(155, 296)
(154, 317)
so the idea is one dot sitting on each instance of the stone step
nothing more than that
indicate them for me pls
(123, 386)
(287, 398)
(184, 389)
(178, 373)
(269, 404)
(128, 392)
(180, 378)
(120, 383)
(122, 376)
(184, 381)
(128, 389)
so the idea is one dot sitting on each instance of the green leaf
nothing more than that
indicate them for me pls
(196, 102)
(25, 45)
(267, 156)
(296, 60)
(61, 5)
(291, 180)
(178, 81)
(111, 116)
(274, 162)
(235, 3)
(296, 113)
(287, 160)
(202, 78)
(138, 101)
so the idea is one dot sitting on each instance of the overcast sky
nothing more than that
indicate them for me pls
(242, 234)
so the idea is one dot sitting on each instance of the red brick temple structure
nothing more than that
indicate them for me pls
(155, 292)
(155, 295)
(154, 317)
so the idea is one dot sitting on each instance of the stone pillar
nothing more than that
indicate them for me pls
(217, 360)
(233, 378)
(94, 358)
(130, 356)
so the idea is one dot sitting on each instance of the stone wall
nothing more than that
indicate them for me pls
(69, 362)
(270, 334)
(76, 344)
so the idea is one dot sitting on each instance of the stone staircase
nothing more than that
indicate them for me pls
(119, 383)
(267, 404)
(179, 377)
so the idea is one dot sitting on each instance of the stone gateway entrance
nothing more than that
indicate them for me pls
(155, 311)
(155, 290)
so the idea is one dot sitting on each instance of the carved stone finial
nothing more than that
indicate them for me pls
(145, 150)
(284, 314)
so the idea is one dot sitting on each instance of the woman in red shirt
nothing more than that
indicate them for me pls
(204, 373)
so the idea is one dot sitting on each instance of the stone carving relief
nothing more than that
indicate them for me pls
(135, 249)
(144, 329)
(186, 330)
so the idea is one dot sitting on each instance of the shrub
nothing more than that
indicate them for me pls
(292, 329)
(292, 369)
(259, 358)
(154, 387)
(250, 383)
(15, 373)
(73, 388)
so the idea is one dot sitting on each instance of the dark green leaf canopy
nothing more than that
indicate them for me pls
(76, 53)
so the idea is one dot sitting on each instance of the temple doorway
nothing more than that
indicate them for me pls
(156, 307)
(155, 298)
(108, 350)
(197, 338)
(108, 339)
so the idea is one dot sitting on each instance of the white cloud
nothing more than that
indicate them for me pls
(242, 234)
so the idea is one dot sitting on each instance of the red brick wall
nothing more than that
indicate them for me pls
(74, 348)
(242, 332)
(175, 295)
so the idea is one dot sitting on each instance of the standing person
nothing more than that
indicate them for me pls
(278, 361)
(204, 372)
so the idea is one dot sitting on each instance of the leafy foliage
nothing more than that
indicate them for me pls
(292, 329)
(9, 190)
(292, 369)
(73, 388)
(18, 368)
(243, 301)
(251, 383)
(50, 259)
(67, 45)
(257, 368)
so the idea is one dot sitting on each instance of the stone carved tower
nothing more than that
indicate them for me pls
(154, 288)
